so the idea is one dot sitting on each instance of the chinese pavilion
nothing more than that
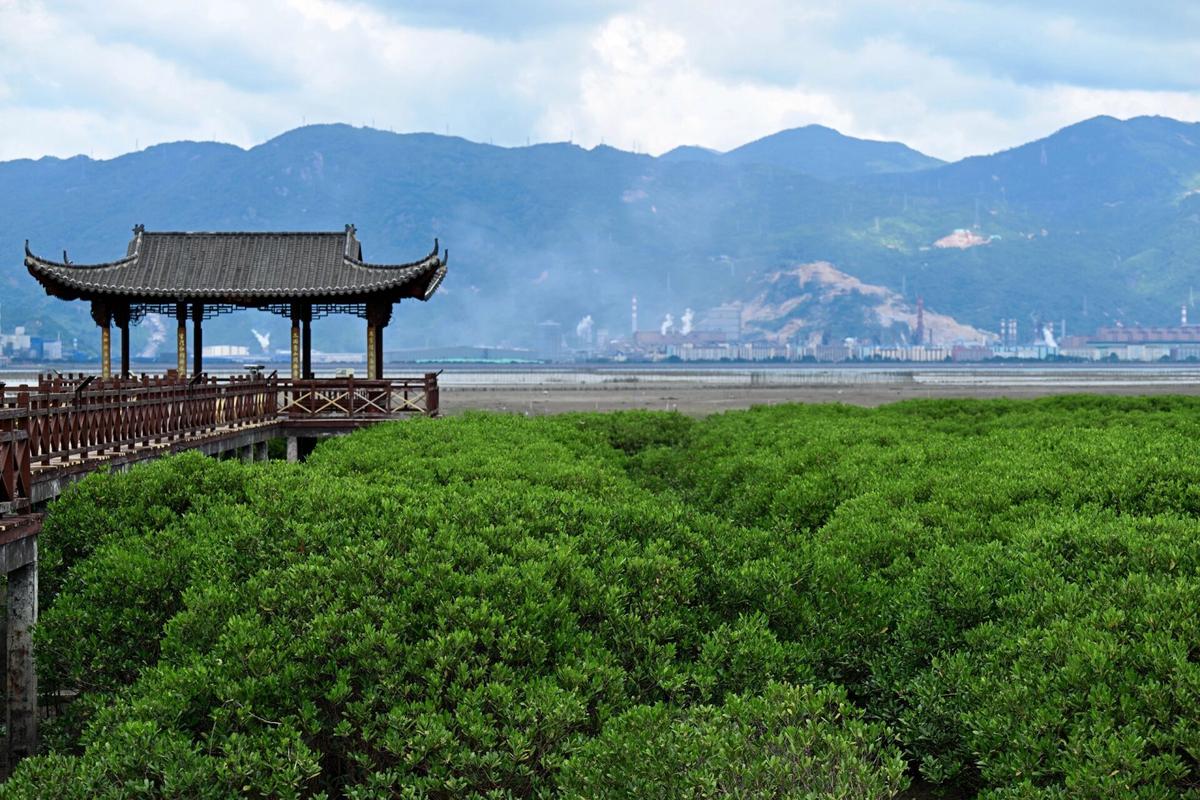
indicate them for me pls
(302, 276)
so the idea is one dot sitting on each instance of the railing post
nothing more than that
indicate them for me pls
(432, 398)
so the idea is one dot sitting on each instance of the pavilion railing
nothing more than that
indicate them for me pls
(354, 398)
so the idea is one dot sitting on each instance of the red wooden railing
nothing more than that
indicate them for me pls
(70, 418)
(353, 398)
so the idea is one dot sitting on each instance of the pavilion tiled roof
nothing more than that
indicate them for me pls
(250, 268)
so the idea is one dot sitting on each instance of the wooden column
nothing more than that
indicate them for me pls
(181, 338)
(121, 317)
(301, 341)
(102, 314)
(307, 337)
(379, 314)
(198, 338)
(379, 351)
(370, 349)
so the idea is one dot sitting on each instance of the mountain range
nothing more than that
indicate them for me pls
(1096, 224)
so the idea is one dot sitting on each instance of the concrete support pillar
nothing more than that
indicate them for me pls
(246, 453)
(22, 712)
(181, 315)
(293, 450)
(262, 451)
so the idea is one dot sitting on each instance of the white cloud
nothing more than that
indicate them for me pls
(951, 77)
(641, 90)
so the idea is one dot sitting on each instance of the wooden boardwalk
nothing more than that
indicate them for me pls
(64, 427)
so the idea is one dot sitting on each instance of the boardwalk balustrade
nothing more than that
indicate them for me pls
(64, 421)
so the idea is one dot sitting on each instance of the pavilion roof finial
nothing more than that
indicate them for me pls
(139, 229)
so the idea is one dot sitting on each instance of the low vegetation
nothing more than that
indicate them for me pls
(993, 599)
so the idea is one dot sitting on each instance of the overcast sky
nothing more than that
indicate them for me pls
(949, 77)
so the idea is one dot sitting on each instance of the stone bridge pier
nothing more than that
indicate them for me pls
(19, 561)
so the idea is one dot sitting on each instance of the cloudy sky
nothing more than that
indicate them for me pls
(949, 77)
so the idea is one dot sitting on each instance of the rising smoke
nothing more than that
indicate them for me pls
(1048, 336)
(686, 321)
(158, 336)
(583, 330)
(668, 325)
(264, 340)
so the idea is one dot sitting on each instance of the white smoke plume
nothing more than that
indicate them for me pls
(584, 329)
(686, 321)
(668, 325)
(264, 340)
(1048, 336)
(158, 336)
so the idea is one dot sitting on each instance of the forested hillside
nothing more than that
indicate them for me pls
(995, 598)
(1097, 223)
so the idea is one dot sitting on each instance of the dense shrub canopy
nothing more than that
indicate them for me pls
(996, 597)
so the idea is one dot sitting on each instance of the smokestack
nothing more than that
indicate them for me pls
(635, 314)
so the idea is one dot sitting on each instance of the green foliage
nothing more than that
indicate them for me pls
(1000, 593)
(788, 743)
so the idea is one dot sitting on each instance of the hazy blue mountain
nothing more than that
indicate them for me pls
(824, 153)
(814, 150)
(1098, 222)
(691, 152)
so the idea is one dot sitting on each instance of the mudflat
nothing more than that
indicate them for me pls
(700, 397)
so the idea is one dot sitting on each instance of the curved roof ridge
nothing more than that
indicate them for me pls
(420, 262)
(49, 263)
(244, 233)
